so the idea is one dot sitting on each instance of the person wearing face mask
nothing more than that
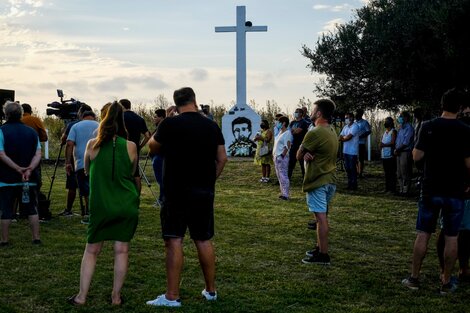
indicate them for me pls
(298, 128)
(349, 136)
(277, 126)
(364, 132)
(403, 148)
(387, 145)
(264, 137)
(282, 144)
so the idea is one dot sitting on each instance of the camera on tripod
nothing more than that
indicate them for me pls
(65, 109)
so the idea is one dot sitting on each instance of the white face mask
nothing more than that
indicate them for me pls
(296, 115)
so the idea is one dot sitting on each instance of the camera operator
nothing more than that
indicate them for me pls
(71, 179)
(135, 126)
(20, 153)
(77, 140)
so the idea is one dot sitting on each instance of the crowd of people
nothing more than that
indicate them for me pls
(102, 162)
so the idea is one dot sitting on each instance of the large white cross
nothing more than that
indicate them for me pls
(242, 27)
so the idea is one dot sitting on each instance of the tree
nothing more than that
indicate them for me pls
(395, 52)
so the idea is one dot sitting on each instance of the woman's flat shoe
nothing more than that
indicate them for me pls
(72, 301)
(111, 301)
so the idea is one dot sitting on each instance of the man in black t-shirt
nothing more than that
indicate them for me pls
(298, 128)
(135, 126)
(443, 148)
(193, 150)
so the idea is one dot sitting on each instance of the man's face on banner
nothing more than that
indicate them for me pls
(241, 131)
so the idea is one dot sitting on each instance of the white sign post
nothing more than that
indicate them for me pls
(242, 122)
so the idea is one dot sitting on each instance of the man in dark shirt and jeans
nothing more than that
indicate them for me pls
(443, 147)
(135, 126)
(298, 128)
(193, 149)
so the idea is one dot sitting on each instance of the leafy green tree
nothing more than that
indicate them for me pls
(394, 53)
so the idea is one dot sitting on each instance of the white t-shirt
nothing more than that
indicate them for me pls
(280, 142)
(351, 146)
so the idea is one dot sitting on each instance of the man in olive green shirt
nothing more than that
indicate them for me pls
(319, 149)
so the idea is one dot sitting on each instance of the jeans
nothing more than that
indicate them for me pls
(390, 170)
(350, 162)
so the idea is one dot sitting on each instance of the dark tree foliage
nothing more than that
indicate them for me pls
(394, 53)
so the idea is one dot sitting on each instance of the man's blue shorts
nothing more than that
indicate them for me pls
(451, 210)
(318, 199)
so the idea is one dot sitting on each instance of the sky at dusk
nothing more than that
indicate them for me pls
(98, 51)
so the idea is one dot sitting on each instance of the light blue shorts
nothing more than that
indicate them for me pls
(318, 199)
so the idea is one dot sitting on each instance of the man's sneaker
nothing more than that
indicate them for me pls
(210, 296)
(320, 258)
(313, 252)
(411, 283)
(312, 225)
(85, 220)
(450, 287)
(161, 300)
(66, 213)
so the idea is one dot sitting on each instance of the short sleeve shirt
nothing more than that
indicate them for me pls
(364, 127)
(446, 145)
(135, 126)
(351, 146)
(322, 142)
(189, 144)
(80, 133)
(297, 138)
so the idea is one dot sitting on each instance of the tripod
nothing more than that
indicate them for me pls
(142, 175)
(82, 206)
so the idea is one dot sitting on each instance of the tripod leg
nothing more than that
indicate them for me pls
(142, 174)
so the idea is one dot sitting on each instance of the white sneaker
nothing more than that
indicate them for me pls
(161, 300)
(208, 295)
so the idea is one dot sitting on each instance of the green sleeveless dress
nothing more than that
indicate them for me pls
(114, 200)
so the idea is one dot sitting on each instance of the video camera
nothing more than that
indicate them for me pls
(65, 109)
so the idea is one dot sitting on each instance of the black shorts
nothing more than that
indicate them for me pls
(71, 181)
(193, 210)
(83, 183)
(9, 194)
(362, 153)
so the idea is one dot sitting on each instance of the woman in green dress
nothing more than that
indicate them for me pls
(110, 162)
(264, 138)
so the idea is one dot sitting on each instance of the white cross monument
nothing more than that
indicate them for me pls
(241, 123)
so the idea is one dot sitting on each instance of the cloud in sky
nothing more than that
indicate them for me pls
(20, 8)
(333, 8)
(199, 74)
(330, 26)
(90, 51)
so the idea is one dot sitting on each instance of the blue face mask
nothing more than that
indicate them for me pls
(346, 121)
(278, 125)
(400, 120)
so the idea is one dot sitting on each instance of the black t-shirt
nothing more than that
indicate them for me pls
(446, 144)
(189, 148)
(135, 126)
(298, 138)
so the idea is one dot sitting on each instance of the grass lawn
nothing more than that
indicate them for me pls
(260, 241)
